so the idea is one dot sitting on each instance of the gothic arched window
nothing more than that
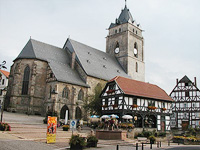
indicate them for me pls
(117, 48)
(26, 81)
(80, 95)
(65, 93)
(136, 67)
(50, 90)
(135, 49)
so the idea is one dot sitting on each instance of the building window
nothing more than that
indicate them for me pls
(26, 81)
(115, 31)
(65, 93)
(3, 81)
(0, 92)
(120, 29)
(116, 100)
(80, 95)
(136, 67)
(136, 31)
(133, 30)
(187, 94)
(135, 101)
(106, 101)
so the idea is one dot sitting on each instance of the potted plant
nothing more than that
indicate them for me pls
(76, 142)
(92, 141)
(163, 109)
(65, 127)
(115, 105)
(134, 106)
(105, 106)
(152, 139)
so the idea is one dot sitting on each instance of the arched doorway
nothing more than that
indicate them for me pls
(63, 112)
(78, 114)
(150, 121)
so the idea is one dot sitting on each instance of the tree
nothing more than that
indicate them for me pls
(93, 104)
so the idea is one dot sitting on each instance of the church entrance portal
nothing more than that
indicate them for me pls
(78, 113)
(63, 112)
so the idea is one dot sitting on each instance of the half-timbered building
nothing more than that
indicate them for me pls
(147, 103)
(186, 106)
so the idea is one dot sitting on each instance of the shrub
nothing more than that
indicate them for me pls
(152, 139)
(65, 127)
(92, 138)
(4, 127)
(77, 140)
(162, 134)
(147, 133)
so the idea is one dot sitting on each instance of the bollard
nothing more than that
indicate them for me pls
(169, 143)
(136, 146)
(160, 143)
(150, 145)
(142, 146)
(117, 147)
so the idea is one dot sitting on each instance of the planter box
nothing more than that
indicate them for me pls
(76, 147)
(111, 135)
(91, 144)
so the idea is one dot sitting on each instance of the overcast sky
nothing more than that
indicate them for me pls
(171, 31)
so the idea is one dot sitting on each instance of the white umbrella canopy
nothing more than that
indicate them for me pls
(94, 116)
(105, 117)
(127, 117)
(114, 116)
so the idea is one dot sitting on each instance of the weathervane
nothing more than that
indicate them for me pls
(125, 2)
(3, 65)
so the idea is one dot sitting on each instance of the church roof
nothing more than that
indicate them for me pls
(96, 63)
(57, 59)
(124, 17)
(138, 88)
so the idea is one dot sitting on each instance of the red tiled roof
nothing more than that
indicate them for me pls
(138, 88)
(6, 73)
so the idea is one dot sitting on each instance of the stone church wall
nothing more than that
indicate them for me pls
(32, 102)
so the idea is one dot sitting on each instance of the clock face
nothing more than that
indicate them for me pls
(117, 50)
(135, 51)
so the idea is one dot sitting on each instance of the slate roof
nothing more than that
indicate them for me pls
(6, 73)
(57, 59)
(185, 79)
(138, 88)
(124, 17)
(96, 63)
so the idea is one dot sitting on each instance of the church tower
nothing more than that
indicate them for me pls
(126, 43)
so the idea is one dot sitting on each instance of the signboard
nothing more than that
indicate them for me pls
(51, 129)
(73, 124)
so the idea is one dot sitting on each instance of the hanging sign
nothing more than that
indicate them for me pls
(51, 129)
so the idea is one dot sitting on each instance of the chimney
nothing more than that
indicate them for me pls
(195, 81)
(73, 60)
(176, 81)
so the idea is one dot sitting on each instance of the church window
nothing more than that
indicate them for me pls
(136, 32)
(0, 92)
(135, 50)
(115, 31)
(50, 89)
(120, 29)
(117, 48)
(133, 30)
(65, 93)
(26, 81)
(136, 67)
(80, 95)
(51, 75)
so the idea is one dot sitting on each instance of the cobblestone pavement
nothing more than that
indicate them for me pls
(30, 130)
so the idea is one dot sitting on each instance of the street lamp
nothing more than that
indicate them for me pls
(2, 106)
(53, 95)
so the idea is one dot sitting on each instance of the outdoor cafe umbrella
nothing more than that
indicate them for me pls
(127, 117)
(105, 117)
(114, 116)
(94, 116)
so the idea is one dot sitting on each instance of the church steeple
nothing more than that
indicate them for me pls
(125, 42)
